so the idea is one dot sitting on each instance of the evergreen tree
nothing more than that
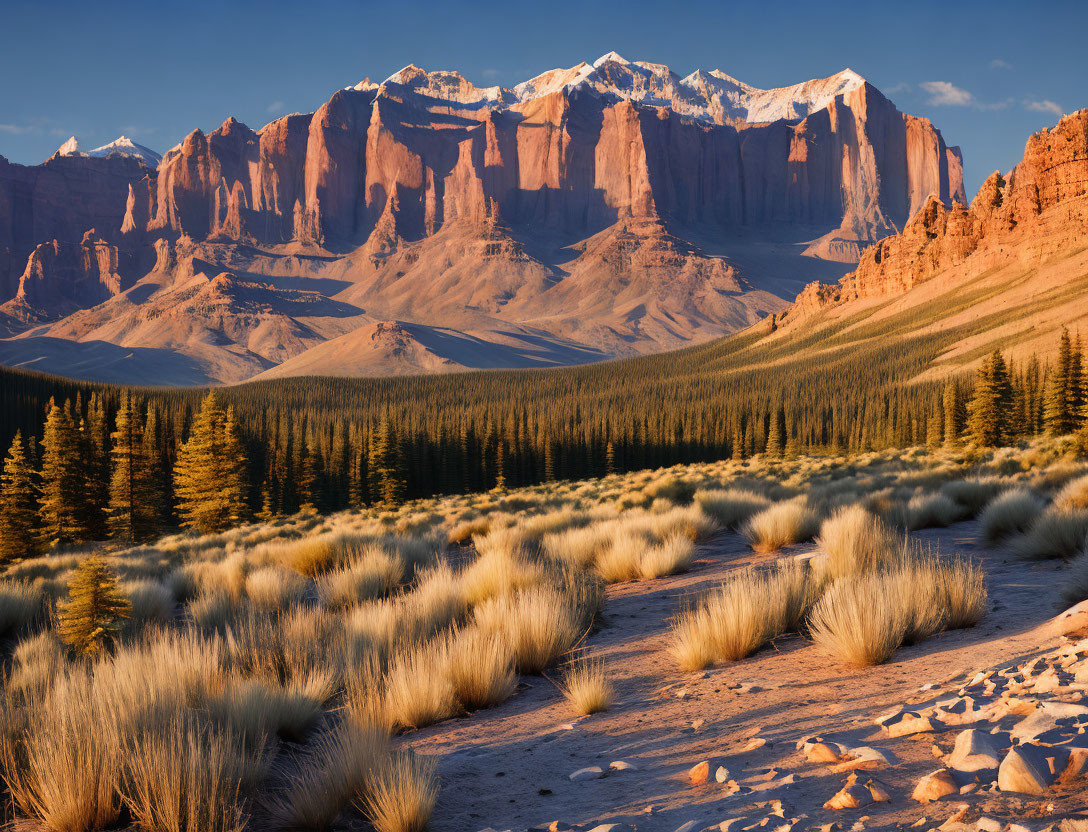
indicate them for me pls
(95, 609)
(18, 503)
(1075, 391)
(774, 435)
(385, 466)
(131, 514)
(210, 473)
(990, 406)
(1056, 413)
(64, 507)
(952, 424)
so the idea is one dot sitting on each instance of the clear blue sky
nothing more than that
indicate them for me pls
(987, 73)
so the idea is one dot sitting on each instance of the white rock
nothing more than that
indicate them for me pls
(974, 751)
(622, 765)
(588, 773)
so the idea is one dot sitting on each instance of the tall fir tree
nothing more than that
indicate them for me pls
(18, 503)
(990, 414)
(385, 467)
(210, 482)
(64, 507)
(952, 423)
(94, 611)
(1056, 414)
(131, 513)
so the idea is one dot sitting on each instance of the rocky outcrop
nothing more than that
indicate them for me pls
(59, 200)
(62, 277)
(1010, 216)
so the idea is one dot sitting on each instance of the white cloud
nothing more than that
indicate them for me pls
(997, 63)
(947, 94)
(14, 129)
(1045, 106)
(898, 88)
(275, 107)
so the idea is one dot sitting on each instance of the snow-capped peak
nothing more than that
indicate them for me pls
(69, 148)
(124, 146)
(611, 57)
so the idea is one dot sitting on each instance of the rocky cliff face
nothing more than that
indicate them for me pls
(608, 205)
(61, 200)
(575, 157)
(1012, 216)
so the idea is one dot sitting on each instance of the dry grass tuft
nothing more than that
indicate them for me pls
(931, 511)
(1056, 533)
(273, 588)
(731, 506)
(1074, 495)
(1010, 513)
(587, 687)
(539, 624)
(1075, 585)
(416, 691)
(782, 524)
(401, 794)
(480, 668)
(855, 541)
(373, 573)
(20, 605)
(972, 495)
(861, 620)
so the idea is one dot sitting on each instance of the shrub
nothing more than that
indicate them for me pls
(855, 541)
(1010, 513)
(622, 560)
(587, 687)
(928, 511)
(672, 555)
(257, 709)
(480, 668)
(401, 794)
(95, 609)
(1056, 533)
(781, 525)
(578, 548)
(972, 495)
(1075, 585)
(731, 506)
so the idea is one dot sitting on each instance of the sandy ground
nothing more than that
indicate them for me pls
(508, 768)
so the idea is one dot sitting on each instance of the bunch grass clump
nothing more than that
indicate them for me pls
(1010, 513)
(782, 524)
(587, 687)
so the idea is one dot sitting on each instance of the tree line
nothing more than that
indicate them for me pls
(126, 463)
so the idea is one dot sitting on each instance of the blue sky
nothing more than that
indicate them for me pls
(987, 73)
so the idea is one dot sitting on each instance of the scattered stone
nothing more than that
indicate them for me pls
(690, 826)
(1073, 622)
(911, 723)
(975, 751)
(622, 765)
(732, 824)
(857, 793)
(588, 773)
(829, 827)
(1017, 773)
(822, 752)
(613, 827)
(696, 724)
(1077, 765)
(700, 772)
(866, 758)
(986, 824)
(935, 785)
(722, 774)
(756, 742)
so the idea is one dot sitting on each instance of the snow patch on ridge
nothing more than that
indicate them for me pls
(121, 146)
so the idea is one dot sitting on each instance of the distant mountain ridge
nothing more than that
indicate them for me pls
(607, 209)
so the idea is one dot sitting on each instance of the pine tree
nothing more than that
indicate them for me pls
(1056, 414)
(385, 467)
(774, 435)
(210, 481)
(951, 414)
(1075, 391)
(132, 513)
(990, 406)
(95, 608)
(63, 507)
(18, 503)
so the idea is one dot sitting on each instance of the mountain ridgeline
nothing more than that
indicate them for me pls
(425, 225)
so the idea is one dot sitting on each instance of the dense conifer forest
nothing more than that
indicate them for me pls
(87, 461)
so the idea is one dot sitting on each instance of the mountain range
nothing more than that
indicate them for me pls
(425, 224)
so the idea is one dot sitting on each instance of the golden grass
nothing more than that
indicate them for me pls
(416, 691)
(782, 524)
(334, 771)
(182, 776)
(258, 709)
(587, 687)
(730, 506)
(479, 667)
(20, 605)
(750, 608)
(929, 511)
(373, 573)
(539, 624)
(61, 758)
(1075, 580)
(401, 794)
(672, 555)
(273, 588)
(1010, 513)
(499, 571)
(855, 541)
(150, 600)
(1074, 495)
(972, 495)
(860, 620)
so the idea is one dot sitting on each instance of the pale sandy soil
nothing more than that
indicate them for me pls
(508, 768)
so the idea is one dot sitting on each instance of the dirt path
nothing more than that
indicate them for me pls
(508, 768)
